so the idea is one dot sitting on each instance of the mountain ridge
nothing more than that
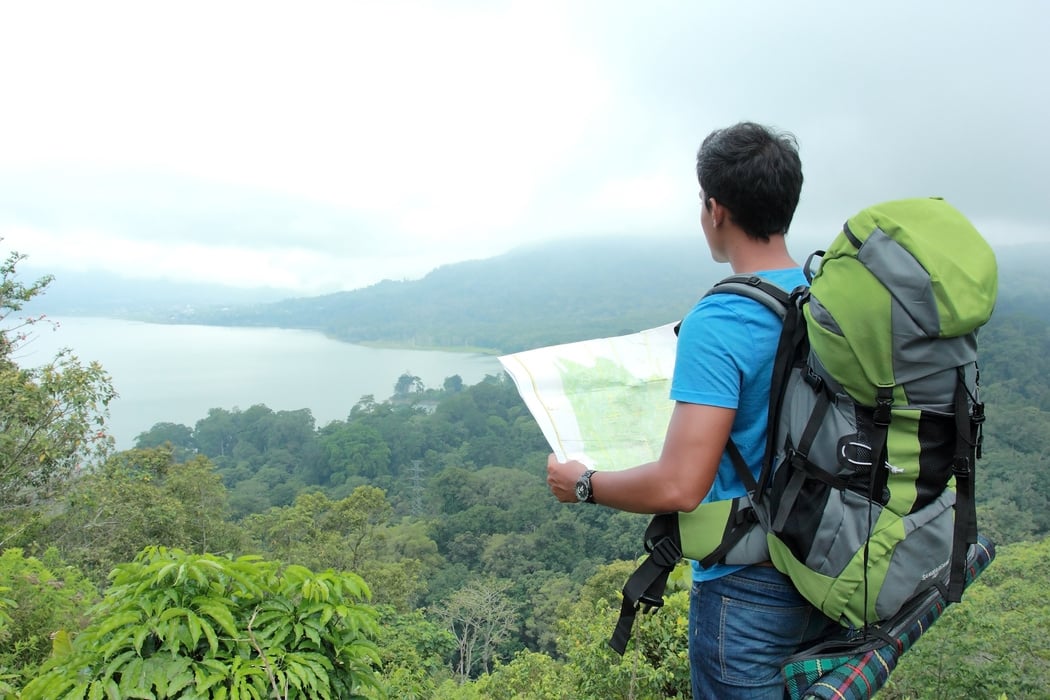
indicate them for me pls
(534, 295)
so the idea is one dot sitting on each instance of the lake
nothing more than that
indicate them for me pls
(175, 373)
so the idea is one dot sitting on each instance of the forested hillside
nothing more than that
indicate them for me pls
(554, 293)
(411, 549)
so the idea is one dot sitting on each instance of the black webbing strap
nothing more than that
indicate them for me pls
(965, 532)
(742, 514)
(742, 470)
(742, 518)
(881, 417)
(644, 590)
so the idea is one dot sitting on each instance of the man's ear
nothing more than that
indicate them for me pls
(718, 212)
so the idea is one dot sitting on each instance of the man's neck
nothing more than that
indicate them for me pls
(750, 255)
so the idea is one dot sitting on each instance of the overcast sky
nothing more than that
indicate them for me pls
(325, 146)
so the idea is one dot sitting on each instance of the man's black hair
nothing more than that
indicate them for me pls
(754, 172)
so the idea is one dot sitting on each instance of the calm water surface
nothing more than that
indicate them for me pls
(176, 373)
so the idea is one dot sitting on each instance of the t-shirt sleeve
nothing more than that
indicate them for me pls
(707, 368)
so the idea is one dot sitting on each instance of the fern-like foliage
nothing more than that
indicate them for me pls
(178, 625)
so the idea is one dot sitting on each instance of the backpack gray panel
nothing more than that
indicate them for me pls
(752, 549)
(904, 277)
(926, 354)
(926, 366)
(921, 559)
(934, 393)
(842, 532)
(823, 317)
(821, 371)
(840, 421)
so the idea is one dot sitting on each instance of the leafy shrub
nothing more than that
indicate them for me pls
(42, 597)
(177, 625)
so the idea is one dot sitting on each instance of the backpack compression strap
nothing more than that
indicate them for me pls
(881, 417)
(967, 450)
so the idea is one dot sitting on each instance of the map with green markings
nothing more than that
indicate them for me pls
(605, 401)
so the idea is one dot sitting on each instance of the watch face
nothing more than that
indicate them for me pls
(581, 491)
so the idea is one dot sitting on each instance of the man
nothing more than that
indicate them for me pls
(743, 620)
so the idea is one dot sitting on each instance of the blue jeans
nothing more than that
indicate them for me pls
(741, 628)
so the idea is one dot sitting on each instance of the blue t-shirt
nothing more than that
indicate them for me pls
(724, 358)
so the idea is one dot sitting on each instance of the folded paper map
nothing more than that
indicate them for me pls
(604, 402)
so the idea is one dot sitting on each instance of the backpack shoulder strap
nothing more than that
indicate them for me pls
(754, 287)
(775, 298)
(645, 588)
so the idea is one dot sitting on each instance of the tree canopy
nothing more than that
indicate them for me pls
(410, 550)
(52, 424)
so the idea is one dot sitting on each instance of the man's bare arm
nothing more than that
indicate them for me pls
(677, 481)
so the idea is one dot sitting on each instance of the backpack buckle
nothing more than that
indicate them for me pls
(815, 381)
(745, 516)
(665, 552)
(883, 411)
(646, 604)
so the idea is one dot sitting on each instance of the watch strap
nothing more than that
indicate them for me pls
(586, 478)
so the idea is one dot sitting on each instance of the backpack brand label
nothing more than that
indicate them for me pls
(935, 572)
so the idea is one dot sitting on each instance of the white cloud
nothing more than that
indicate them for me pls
(372, 106)
(348, 141)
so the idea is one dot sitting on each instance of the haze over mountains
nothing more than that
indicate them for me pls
(535, 295)
(93, 293)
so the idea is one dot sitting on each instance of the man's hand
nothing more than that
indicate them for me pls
(562, 478)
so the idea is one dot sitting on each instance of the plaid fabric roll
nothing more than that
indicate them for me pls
(855, 676)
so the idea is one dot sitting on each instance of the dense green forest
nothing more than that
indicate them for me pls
(412, 549)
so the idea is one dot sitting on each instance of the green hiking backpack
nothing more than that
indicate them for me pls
(865, 497)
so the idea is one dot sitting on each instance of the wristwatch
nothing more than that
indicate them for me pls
(584, 494)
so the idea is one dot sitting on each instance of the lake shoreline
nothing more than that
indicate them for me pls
(178, 372)
(374, 344)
